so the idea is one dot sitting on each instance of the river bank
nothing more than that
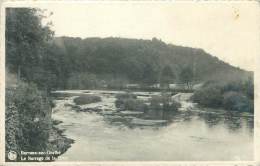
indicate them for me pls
(57, 141)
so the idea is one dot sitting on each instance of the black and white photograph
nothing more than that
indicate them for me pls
(127, 81)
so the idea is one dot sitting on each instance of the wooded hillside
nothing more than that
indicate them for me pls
(137, 61)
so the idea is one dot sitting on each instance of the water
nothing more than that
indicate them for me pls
(191, 134)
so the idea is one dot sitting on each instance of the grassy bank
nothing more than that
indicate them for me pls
(28, 123)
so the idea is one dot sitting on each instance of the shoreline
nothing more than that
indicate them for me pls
(58, 142)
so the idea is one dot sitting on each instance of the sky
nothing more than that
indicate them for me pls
(229, 31)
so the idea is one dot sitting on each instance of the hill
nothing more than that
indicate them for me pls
(138, 60)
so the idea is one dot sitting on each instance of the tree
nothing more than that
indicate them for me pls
(137, 61)
(249, 87)
(167, 76)
(26, 39)
(149, 74)
(186, 76)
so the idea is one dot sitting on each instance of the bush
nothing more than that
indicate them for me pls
(246, 87)
(28, 118)
(210, 96)
(86, 99)
(12, 128)
(131, 104)
(128, 101)
(237, 101)
(237, 96)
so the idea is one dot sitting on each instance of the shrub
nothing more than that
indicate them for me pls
(210, 96)
(28, 115)
(128, 101)
(12, 128)
(246, 87)
(237, 101)
(86, 99)
(237, 96)
(131, 104)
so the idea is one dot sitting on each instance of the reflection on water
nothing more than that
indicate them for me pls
(192, 133)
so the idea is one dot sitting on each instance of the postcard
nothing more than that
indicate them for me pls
(130, 82)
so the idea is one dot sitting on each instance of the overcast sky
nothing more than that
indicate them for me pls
(229, 31)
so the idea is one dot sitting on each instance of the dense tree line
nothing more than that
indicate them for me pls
(135, 61)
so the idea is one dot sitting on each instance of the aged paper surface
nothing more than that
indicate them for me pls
(130, 82)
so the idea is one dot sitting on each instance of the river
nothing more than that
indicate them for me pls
(191, 134)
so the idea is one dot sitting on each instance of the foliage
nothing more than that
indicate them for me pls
(237, 101)
(83, 81)
(237, 96)
(150, 75)
(12, 127)
(245, 87)
(167, 76)
(129, 101)
(131, 104)
(39, 68)
(87, 99)
(26, 41)
(118, 61)
(28, 116)
(186, 75)
(208, 96)
(114, 82)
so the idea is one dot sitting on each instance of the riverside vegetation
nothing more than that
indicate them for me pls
(128, 101)
(28, 123)
(234, 96)
(42, 62)
(86, 99)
